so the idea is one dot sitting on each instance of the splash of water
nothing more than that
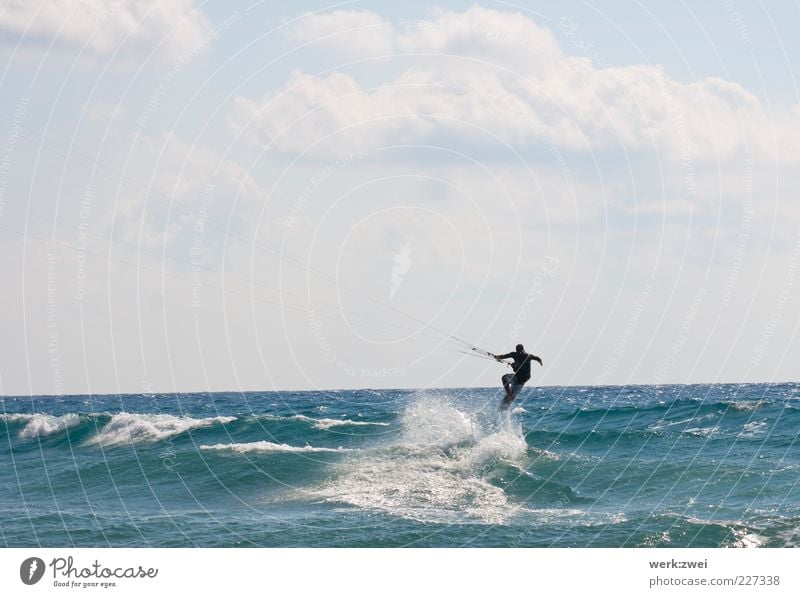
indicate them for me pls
(438, 469)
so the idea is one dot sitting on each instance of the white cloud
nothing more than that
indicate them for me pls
(508, 38)
(134, 26)
(501, 73)
(577, 107)
(309, 109)
(609, 147)
(487, 35)
(351, 32)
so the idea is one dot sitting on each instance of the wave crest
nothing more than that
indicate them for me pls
(126, 428)
(328, 423)
(265, 446)
(42, 425)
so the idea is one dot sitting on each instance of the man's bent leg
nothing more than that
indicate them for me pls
(506, 379)
(511, 395)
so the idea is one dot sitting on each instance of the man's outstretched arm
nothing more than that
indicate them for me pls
(537, 359)
(504, 356)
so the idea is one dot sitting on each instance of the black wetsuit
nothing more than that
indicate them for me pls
(521, 365)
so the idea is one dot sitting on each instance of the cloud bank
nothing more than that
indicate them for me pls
(126, 27)
(500, 73)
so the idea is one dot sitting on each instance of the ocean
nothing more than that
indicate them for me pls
(630, 466)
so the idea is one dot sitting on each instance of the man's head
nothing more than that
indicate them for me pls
(520, 348)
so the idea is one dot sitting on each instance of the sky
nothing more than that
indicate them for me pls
(202, 196)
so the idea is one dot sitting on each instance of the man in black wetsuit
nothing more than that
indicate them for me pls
(513, 382)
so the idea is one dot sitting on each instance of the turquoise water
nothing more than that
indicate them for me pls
(701, 465)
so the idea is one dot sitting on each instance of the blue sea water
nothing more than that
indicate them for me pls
(675, 466)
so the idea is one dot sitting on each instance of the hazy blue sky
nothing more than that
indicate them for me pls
(201, 196)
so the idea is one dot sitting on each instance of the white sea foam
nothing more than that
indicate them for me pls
(328, 423)
(746, 404)
(432, 421)
(324, 423)
(264, 446)
(505, 444)
(789, 537)
(577, 517)
(437, 471)
(135, 428)
(753, 429)
(662, 538)
(747, 539)
(665, 424)
(702, 431)
(15, 417)
(743, 537)
(42, 425)
(548, 455)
